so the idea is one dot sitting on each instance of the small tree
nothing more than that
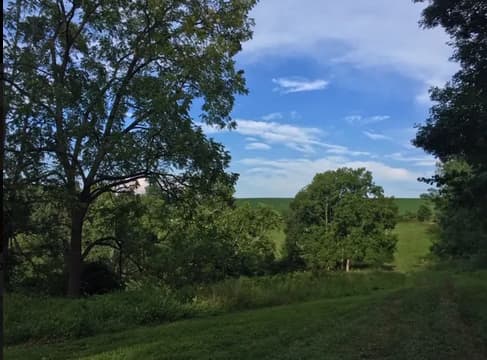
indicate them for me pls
(424, 213)
(340, 218)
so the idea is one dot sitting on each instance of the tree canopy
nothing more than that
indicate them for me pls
(456, 130)
(101, 93)
(340, 218)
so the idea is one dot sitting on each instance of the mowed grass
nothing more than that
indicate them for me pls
(413, 246)
(436, 316)
(282, 204)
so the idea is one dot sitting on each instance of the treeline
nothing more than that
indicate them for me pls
(141, 238)
(340, 220)
(456, 132)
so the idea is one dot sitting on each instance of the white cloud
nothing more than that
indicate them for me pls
(251, 139)
(273, 116)
(423, 160)
(376, 136)
(365, 34)
(302, 139)
(257, 146)
(284, 177)
(366, 120)
(294, 85)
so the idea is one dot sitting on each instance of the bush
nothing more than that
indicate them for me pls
(424, 213)
(408, 216)
(97, 278)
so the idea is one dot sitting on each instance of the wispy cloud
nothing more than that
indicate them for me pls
(296, 84)
(379, 34)
(257, 146)
(299, 138)
(284, 177)
(273, 116)
(366, 120)
(426, 160)
(376, 136)
(302, 139)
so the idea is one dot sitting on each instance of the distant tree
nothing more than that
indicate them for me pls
(341, 218)
(424, 213)
(99, 95)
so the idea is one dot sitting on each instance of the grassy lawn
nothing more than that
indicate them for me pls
(413, 245)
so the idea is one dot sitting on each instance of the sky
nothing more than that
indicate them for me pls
(334, 84)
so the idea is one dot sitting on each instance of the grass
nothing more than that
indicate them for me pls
(439, 316)
(414, 241)
(414, 313)
(47, 319)
(282, 204)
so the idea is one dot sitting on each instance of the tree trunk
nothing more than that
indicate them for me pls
(75, 260)
(120, 264)
(348, 265)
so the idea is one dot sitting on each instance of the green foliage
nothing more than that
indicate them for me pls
(424, 213)
(36, 230)
(458, 121)
(43, 318)
(456, 130)
(279, 204)
(211, 243)
(48, 319)
(462, 224)
(99, 94)
(246, 293)
(341, 216)
(98, 278)
(405, 205)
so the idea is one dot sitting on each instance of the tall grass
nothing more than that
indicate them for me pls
(245, 293)
(49, 319)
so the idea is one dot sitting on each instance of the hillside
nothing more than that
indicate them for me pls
(426, 315)
(282, 204)
(438, 316)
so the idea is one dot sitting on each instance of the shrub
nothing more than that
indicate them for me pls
(424, 213)
(98, 278)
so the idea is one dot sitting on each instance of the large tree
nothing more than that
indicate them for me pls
(456, 130)
(457, 126)
(100, 94)
(340, 218)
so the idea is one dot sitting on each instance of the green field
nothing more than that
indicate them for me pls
(282, 204)
(413, 246)
(426, 315)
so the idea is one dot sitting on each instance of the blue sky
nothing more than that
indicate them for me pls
(333, 84)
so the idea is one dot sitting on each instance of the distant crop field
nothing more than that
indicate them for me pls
(279, 204)
(282, 204)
